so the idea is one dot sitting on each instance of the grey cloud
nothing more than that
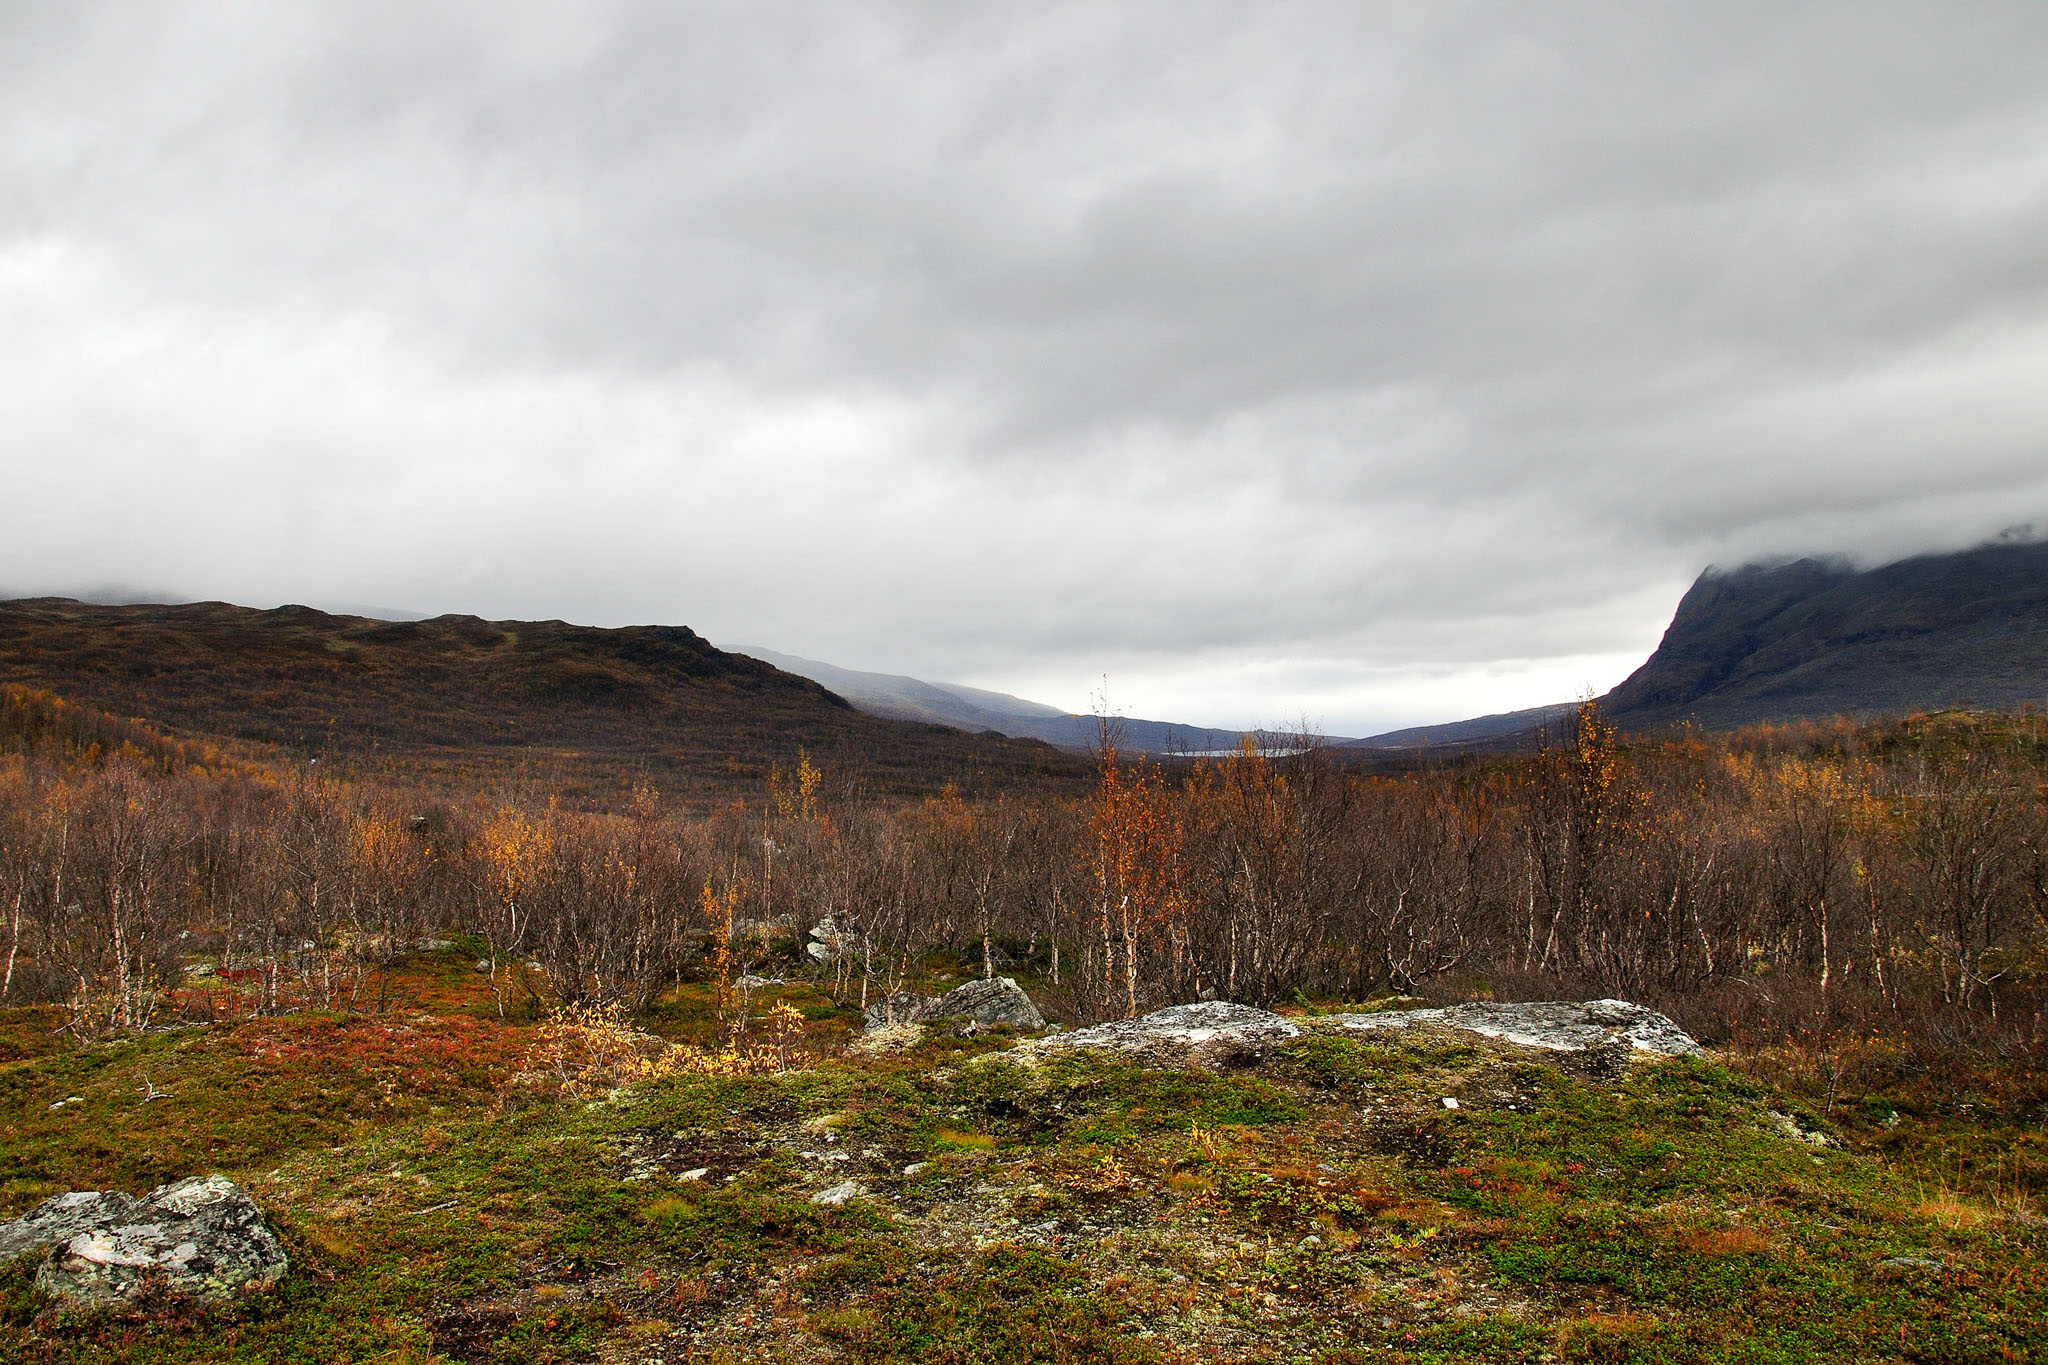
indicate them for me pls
(1232, 347)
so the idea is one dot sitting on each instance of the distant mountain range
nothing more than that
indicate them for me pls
(1798, 640)
(976, 709)
(1766, 642)
(1479, 733)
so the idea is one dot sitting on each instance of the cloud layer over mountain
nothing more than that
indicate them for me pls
(1363, 364)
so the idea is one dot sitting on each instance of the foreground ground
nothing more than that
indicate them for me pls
(1326, 1206)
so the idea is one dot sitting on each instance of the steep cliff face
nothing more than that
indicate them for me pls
(1819, 638)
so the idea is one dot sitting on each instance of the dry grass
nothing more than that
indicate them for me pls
(1732, 1241)
(1948, 1209)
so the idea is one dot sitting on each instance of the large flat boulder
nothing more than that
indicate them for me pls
(1208, 1033)
(1553, 1025)
(201, 1238)
(61, 1217)
(1218, 1033)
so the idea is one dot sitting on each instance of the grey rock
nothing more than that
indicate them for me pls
(1217, 1033)
(997, 1001)
(1208, 1033)
(828, 943)
(836, 1195)
(201, 1238)
(1913, 1263)
(60, 1218)
(1554, 1025)
(978, 1004)
(895, 1010)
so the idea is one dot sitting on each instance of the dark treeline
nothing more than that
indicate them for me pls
(1817, 878)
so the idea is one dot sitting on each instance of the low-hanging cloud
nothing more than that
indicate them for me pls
(1359, 364)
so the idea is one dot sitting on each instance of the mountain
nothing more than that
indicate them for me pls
(1480, 733)
(1809, 639)
(974, 708)
(1819, 638)
(594, 708)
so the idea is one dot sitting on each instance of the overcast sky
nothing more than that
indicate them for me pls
(1359, 364)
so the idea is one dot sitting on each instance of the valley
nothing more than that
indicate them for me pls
(536, 987)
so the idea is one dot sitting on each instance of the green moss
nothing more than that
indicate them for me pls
(1092, 1099)
(1008, 1304)
(1657, 1217)
(20, 1300)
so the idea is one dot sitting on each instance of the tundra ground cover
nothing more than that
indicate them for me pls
(1326, 1206)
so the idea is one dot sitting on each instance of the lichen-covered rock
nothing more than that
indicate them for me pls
(1554, 1025)
(1208, 1033)
(979, 1004)
(201, 1238)
(60, 1218)
(1214, 1033)
(894, 1011)
(828, 943)
(988, 1003)
(1798, 1132)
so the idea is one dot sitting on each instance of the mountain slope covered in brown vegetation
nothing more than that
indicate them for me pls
(593, 706)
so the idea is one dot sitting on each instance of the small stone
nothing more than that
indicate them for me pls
(917, 1168)
(1450, 1103)
(1913, 1263)
(697, 1174)
(1791, 1128)
(836, 1195)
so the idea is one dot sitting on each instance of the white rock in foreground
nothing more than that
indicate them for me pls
(61, 1217)
(1214, 1033)
(204, 1238)
(1208, 1033)
(1554, 1025)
